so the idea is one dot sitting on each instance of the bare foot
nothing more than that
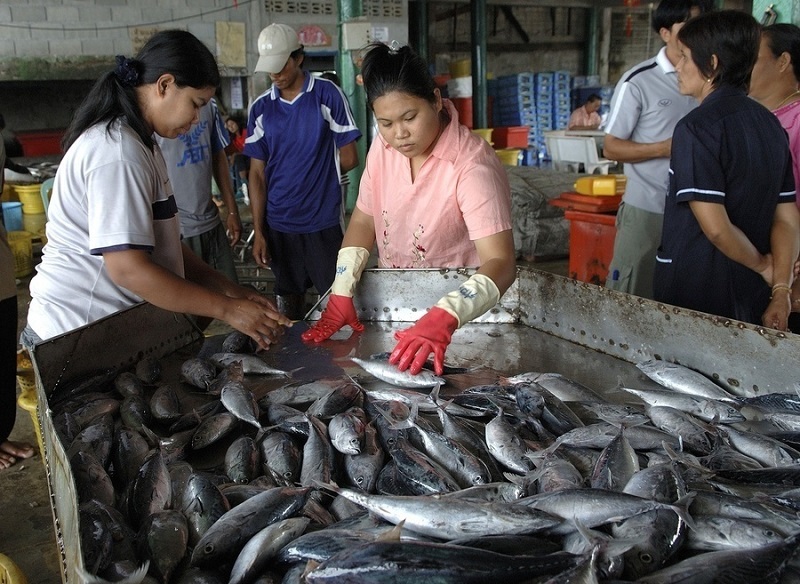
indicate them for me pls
(11, 452)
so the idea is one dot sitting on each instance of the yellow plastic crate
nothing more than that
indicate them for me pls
(21, 245)
(9, 572)
(508, 156)
(26, 379)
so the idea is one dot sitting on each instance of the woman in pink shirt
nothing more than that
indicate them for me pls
(433, 195)
(774, 84)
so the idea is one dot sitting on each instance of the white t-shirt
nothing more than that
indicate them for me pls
(110, 193)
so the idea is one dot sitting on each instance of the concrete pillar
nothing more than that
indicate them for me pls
(348, 70)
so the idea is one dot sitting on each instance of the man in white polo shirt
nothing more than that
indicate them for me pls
(645, 108)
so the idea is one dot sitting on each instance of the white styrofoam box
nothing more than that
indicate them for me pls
(459, 87)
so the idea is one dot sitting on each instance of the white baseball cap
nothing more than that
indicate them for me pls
(275, 44)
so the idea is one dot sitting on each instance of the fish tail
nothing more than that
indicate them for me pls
(136, 577)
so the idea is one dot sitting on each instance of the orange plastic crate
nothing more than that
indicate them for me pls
(510, 137)
(591, 245)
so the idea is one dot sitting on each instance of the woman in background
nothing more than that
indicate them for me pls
(774, 84)
(113, 232)
(731, 226)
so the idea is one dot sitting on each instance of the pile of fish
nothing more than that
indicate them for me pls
(532, 478)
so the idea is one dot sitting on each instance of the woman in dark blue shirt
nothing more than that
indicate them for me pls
(731, 227)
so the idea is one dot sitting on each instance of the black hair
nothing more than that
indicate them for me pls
(176, 52)
(593, 97)
(2, 122)
(386, 69)
(784, 38)
(332, 76)
(671, 12)
(732, 36)
(297, 54)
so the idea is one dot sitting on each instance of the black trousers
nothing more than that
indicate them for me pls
(8, 366)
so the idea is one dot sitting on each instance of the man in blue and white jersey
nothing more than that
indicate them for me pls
(192, 159)
(300, 139)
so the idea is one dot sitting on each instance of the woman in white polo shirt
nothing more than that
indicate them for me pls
(113, 231)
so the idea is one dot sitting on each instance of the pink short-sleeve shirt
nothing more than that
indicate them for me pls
(461, 194)
(789, 117)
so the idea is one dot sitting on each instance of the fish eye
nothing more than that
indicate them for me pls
(287, 474)
(769, 533)
(646, 558)
(360, 481)
(209, 548)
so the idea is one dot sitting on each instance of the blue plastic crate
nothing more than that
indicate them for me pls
(562, 76)
(518, 101)
(521, 80)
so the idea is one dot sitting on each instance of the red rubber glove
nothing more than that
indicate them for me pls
(339, 312)
(430, 334)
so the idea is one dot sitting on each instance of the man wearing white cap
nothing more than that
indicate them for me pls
(301, 139)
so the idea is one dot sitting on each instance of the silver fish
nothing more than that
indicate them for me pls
(768, 451)
(593, 507)
(227, 536)
(763, 564)
(251, 364)
(724, 533)
(616, 465)
(281, 456)
(346, 431)
(202, 503)
(384, 371)
(466, 468)
(362, 468)
(336, 401)
(707, 409)
(384, 562)
(448, 518)
(241, 402)
(165, 537)
(264, 546)
(151, 490)
(506, 446)
(295, 394)
(684, 380)
(242, 460)
(317, 462)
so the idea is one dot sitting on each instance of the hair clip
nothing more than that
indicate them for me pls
(126, 71)
(394, 47)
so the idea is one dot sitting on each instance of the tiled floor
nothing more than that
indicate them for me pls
(27, 534)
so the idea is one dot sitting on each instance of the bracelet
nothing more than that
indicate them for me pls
(777, 287)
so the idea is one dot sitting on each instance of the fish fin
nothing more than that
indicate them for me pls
(152, 438)
(136, 577)
(291, 372)
(681, 507)
(330, 486)
(516, 479)
(311, 565)
(395, 424)
(347, 357)
(393, 534)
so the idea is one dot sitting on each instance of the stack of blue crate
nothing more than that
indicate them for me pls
(562, 106)
(544, 82)
(513, 103)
